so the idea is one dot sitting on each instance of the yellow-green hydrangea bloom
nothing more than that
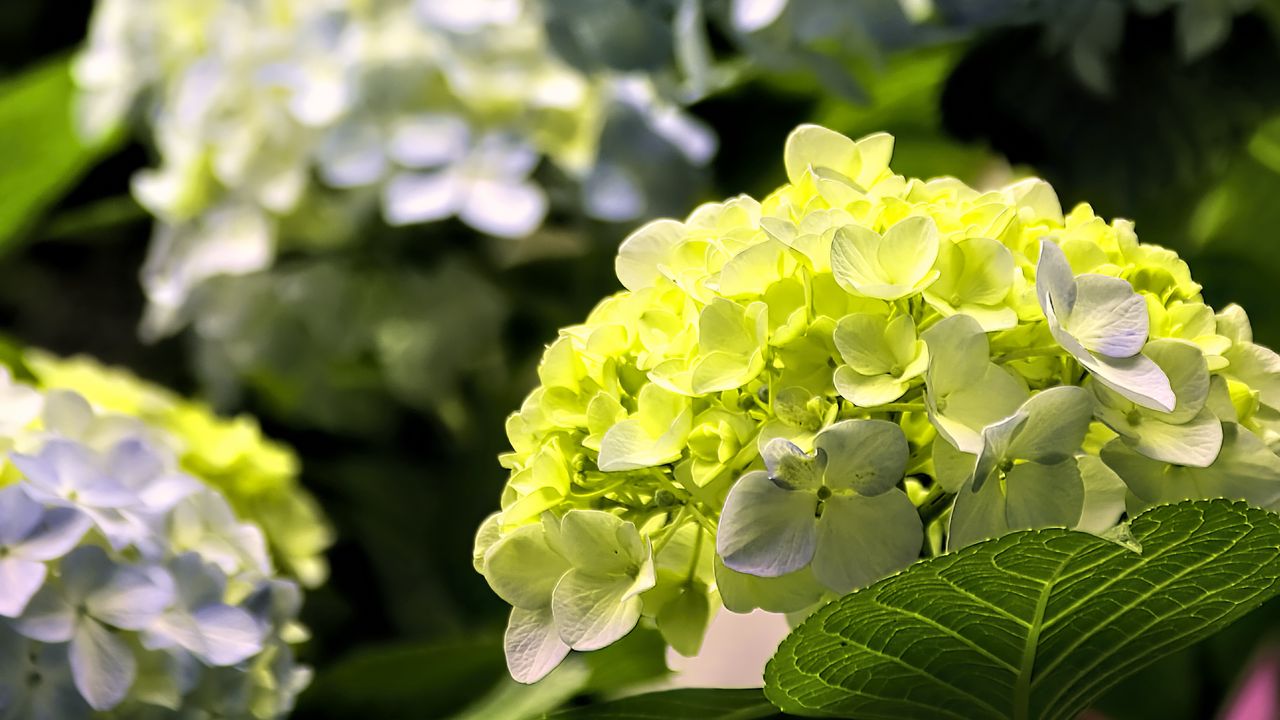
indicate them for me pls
(257, 475)
(796, 396)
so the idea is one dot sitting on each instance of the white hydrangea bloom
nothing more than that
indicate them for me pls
(430, 109)
(127, 585)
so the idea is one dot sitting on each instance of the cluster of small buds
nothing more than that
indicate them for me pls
(796, 397)
(283, 122)
(126, 584)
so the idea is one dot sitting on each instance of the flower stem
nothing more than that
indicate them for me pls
(933, 504)
(1027, 353)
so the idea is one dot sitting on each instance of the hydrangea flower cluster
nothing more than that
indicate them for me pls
(126, 584)
(280, 122)
(798, 396)
(256, 475)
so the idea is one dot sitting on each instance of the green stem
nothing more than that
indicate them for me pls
(891, 407)
(676, 522)
(1027, 353)
(934, 504)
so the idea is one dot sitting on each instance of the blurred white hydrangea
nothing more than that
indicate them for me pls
(127, 585)
(428, 109)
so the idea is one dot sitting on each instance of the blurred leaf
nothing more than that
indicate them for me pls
(510, 700)
(406, 681)
(43, 154)
(1034, 624)
(906, 99)
(639, 657)
(1148, 150)
(688, 704)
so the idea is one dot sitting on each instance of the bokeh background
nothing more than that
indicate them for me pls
(1162, 111)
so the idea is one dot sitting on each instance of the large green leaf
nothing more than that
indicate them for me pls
(1030, 625)
(43, 154)
(687, 704)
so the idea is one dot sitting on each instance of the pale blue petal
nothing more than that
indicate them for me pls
(1108, 318)
(102, 665)
(1194, 443)
(978, 514)
(48, 617)
(1055, 283)
(1057, 421)
(19, 515)
(504, 208)
(863, 539)
(1104, 496)
(59, 531)
(19, 581)
(867, 456)
(765, 530)
(790, 467)
(84, 570)
(1041, 496)
(131, 598)
(410, 197)
(230, 634)
(1137, 378)
(793, 592)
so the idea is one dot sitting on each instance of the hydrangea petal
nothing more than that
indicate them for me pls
(1044, 495)
(743, 592)
(593, 611)
(103, 666)
(1104, 496)
(978, 514)
(1194, 443)
(656, 434)
(866, 456)
(131, 598)
(863, 539)
(229, 635)
(506, 209)
(19, 581)
(644, 252)
(790, 467)
(523, 569)
(601, 542)
(868, 390)
(1057, 421)
(765, 530)
(47, 617)
(1108, 317)
(19, 515)
(815, 146)
(532, 644)
(1245, 469)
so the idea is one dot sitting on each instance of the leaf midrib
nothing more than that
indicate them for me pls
(1022, 685)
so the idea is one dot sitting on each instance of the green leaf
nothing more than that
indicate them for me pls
(406, 680)
(1033, 624)
(43, 154)
(688, 704)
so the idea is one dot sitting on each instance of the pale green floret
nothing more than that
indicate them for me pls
(965, 390)
(881, 358)
(1026, 475)
(796, 397)
(1103, 323)
(1190, 434)
(889, 266)
(836, 509)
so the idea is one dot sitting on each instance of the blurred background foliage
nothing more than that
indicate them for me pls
(391, 363)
